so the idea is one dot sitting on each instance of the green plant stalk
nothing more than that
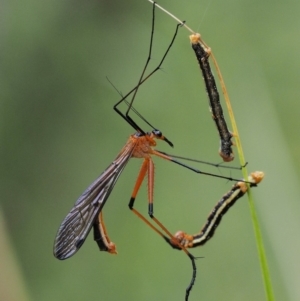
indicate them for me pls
(258, 236)
(261, 250)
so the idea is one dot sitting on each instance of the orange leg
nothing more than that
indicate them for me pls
(101, 236)
(148, 167)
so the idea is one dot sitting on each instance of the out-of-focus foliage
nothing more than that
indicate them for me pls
(59, 132)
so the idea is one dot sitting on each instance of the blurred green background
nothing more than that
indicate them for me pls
(59, 132)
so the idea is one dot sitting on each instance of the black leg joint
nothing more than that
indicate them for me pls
(150, 210)
(131, 202)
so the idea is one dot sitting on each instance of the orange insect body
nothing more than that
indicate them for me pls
(143, 145)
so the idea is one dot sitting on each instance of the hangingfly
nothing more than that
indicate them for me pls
(87, 211)
(78, 223)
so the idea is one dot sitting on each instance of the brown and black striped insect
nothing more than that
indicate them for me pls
(202, 55)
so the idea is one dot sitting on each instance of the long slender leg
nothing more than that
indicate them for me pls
(180, 246)
(169, 158)
(142, 79)
(146, 65)
(148, 167)
(139, 181)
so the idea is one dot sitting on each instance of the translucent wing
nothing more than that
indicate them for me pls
(77, 224)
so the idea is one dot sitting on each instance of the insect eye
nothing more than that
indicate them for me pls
(138, 134)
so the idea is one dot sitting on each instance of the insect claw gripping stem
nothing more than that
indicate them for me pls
(245, 165)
